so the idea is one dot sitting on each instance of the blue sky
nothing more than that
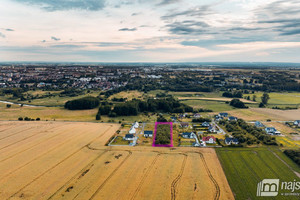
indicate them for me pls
(150, 31)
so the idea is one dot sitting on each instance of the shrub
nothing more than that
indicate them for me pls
(20, 118)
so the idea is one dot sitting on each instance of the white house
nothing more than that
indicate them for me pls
(136, 125)
(132, 130)
(209, 139)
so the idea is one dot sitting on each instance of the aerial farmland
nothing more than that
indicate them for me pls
(69, 160)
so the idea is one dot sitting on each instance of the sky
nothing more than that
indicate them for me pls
(150, 30)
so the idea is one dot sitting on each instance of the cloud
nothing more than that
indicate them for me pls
(2, 35)
(291, 32)
(187, 27)
(9, 29)
(135, 14)
(192, 12)
(128, 29)
(54, 5)
(55, 38)
(167, 2)
(43, 41)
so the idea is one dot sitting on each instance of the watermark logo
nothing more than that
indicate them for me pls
(271, 188)
(268, 188)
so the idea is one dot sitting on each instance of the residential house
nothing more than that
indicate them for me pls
(297, 122)
(148, 134)
(230, 141)
(188, 135)
(197, 115)
(223, 114)
(272, 131)
(184, 124)
(231, 118)
(212, 129)
(258, 124)
(136, 125)
(209, 139)
(205, 124)
(132, 130)
(129, 137)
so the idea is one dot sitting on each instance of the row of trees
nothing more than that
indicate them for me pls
(235, 94)
(247, 133)
(294, 155)
(134, 107)
(82, 103)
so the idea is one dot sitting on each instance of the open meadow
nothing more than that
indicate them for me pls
(246, 167)
(64, 160)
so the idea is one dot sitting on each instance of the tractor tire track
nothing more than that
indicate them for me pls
(57, 164)
(109, 177)
(87, 167)
(144, 177)
(16, 133)
(32, 146)
(175, 181)
(213, 180)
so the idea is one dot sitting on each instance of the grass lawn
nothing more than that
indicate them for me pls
(119, 141)
(246, 167)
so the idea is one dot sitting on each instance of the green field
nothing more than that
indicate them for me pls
(216, 106)
(48, 101)
(245, 168)
(285, 98)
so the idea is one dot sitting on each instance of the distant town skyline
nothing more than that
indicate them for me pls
(150, 31)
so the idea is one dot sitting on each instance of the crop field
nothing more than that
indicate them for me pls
(63, 160)
(253, 114)
(216, 106)
(245, 168)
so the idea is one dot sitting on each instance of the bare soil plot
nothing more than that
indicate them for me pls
(64, 160)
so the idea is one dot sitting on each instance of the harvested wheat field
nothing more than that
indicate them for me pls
(64, 160)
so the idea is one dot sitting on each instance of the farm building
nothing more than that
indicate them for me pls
(129, 137)
(229, 141)
(209, 139)
(189, 135)
(258, 124)
(272, 131)
(184, 124)
(148, 133)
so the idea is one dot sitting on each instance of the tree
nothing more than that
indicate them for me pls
(38, 119)
(20, 118)
(8, 105)
(237, 103)
(98, 116)
(82, 103)
(265, 98)
(254, 98)
(160, 118)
